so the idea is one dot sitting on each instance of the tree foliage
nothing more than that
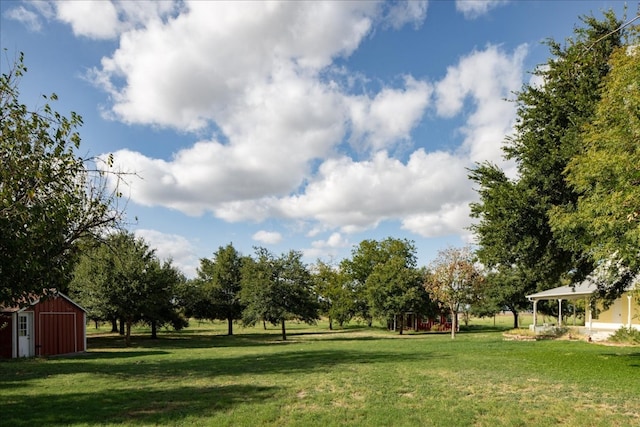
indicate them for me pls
(50, 197)
(336, 297)
(278, 289)
(605, 220)
(455, 280)
(221, 281)
(516, 240)
(123, 278)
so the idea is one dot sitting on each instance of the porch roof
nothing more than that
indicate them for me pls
(577, 291)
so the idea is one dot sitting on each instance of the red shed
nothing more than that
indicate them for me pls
(47, 327)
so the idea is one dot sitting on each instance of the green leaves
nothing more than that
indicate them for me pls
(49, 198)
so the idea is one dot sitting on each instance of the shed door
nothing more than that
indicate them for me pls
(25, 334)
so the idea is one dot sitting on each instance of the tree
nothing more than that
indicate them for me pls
(605, 221)
(394, 286)
(221, 280)
(335, 297)
(278, 289)
(50, 197)
(516, 241)
(123, 278)
(454, 280)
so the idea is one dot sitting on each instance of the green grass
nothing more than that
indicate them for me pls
(354, 376)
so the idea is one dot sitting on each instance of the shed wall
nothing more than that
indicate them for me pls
(6, 329)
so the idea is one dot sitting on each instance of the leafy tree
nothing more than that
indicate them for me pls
(516, 241)
(395, 286)
(123, 278)
(278, 289)
(336, 297)
(605, 221)
(221, 280)
(454, 280)
(50, 197)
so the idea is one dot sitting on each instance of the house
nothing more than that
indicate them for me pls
(624, 311)
(46, 327)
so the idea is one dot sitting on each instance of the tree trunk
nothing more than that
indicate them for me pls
(330, 323)
(284, 332)
(154, 330)
(369, 321)
(121, 327)
(401, 323)
(264, 324)
(229, 326)
(454, 323)
(96, 323)
(516, 322)
(114, 325)
(127, 336)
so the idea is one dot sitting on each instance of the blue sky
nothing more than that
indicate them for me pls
(296, 125)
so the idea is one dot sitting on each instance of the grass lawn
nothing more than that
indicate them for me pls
(354, 376)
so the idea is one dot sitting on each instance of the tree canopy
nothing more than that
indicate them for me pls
(516, 239)
(50, 197)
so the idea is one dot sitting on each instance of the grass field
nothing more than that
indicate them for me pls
(355, 376)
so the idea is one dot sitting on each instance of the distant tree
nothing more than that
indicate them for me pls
(123, 278)
(453, 279)
(221, 281)
(394, 286)
(278, 289)
(161, 308)
(335, 296)
(50, 197)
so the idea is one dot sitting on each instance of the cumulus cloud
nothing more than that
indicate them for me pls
(267, 237)
(285, 120)
(472, 9)
(488, 77)
(407, 12)
(172, 247)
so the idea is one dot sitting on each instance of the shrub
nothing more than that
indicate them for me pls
(626, 335)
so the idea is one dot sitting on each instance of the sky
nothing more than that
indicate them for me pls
(290, 125)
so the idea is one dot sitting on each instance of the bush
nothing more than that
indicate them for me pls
(626, 335)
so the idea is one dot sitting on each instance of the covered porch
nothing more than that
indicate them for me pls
(582, 290)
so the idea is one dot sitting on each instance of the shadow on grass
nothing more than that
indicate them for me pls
(140, 406)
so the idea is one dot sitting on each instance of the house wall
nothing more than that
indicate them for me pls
(617, 315)
(6, 337)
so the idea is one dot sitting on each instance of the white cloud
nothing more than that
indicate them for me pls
(267, 237)
(472, 9)
(488, 77)
(174, 247)
(94, 19)
(284, 116)
(101, 19)
(322, 249)
(30, 19)
(405, 12)
(390, 116)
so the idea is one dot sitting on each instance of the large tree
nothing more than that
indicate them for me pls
(277, 289)
(515, 237)
(221, 280)
(605, 220)
(394, 286)
(50, 196)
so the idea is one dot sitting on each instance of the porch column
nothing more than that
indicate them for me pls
(629, 311)
(535, 313)
(589, 316)
(559, 312)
